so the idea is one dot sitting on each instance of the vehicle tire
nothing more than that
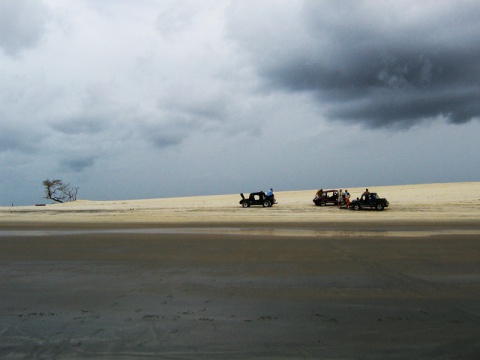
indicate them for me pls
(379, 207)
(246, 204)
(356, 207)
(322, 203)
(267, 203)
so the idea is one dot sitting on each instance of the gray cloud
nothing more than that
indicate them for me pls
(164, 139)
(22, 25)
(19, 140)
(9, 140)
(78, 164)
(381, 64)
(168, 134)
(176, 17)
(179, 117)
(86, 124)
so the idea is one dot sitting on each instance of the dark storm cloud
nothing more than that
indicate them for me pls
(22, 25)
(382, 64)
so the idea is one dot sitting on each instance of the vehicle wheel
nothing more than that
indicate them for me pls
(356, 207)
(379, 207)
(322, 203)
(267, 203)
(245, 204)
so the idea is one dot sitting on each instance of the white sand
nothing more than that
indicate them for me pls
(423, 202)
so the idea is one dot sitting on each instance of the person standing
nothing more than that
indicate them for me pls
(367, 197)
(347, 199)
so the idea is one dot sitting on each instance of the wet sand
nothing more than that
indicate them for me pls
(239, 294)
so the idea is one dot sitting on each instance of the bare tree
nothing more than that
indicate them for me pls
(57, 191)
(72, 193)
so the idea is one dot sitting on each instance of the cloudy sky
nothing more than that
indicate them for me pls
(145, 99)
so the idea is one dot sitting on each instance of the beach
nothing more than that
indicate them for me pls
(203, 278)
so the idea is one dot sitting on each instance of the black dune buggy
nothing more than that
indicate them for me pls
(326, 197)
(369, 201)
(257, 198)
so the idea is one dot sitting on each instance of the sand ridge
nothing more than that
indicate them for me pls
(423, 202)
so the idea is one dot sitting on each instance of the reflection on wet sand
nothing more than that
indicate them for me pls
(244, 231)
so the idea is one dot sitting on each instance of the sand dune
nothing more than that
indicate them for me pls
(423, 202)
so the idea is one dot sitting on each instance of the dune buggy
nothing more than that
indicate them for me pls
(326, 197)
(257, 198)
(369, 201)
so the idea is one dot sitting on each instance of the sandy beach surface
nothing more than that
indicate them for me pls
(204, 278)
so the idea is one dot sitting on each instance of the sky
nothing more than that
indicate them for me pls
(151, 99)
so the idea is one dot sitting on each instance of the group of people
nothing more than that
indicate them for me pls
(343, 198)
